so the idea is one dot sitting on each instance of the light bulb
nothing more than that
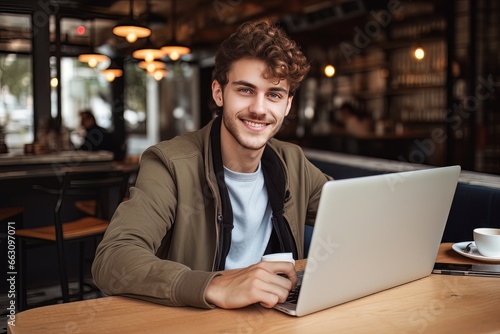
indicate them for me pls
(149, 57)
(329, 71)
(174, 55)
(159, 74)
(54, 82)
(92, 62)
(419, 53)
(131, 37)
(110, 77)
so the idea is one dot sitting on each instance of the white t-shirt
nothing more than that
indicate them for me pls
(251, 217)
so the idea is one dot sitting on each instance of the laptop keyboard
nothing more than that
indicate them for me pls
(293, 296)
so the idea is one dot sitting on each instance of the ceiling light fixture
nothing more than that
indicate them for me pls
(159, 74)
(93, 58)
(152, 66)
(174, 50)
(112, 72)
(148, 52)
(130, 28)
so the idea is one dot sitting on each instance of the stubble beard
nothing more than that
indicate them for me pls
(254, 143)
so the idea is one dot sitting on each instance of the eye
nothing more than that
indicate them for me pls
(245, 90)
(275, 96)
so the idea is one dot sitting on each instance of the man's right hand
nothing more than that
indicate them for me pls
(259, 283)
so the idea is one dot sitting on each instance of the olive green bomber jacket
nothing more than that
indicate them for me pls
(162, 244)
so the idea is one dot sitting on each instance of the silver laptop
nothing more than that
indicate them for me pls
(374, 233)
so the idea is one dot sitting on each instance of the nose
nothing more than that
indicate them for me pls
(258, 104)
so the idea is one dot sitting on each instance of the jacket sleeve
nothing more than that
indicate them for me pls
(126, 261)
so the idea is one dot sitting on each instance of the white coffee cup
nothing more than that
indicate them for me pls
(278, 257)
(487, 241)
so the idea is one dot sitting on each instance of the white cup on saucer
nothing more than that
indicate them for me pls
(487, 241)
(278, 257)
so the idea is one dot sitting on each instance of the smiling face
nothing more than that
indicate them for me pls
(253, 107)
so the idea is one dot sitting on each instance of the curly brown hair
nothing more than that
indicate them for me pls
(265, 41)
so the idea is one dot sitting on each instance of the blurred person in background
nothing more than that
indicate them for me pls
(97, 138)
(355, 120)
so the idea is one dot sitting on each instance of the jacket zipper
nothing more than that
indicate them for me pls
(218, 233)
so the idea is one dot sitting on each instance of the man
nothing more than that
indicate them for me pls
(98, 138)
(207, 205)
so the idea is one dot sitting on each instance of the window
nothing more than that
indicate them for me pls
(16, 90)
(135, 102)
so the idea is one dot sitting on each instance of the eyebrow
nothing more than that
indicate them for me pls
(248, 84)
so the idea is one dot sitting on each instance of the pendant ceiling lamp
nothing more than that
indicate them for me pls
(148, 52)
(112, 72)
(159, 74)
(174, 50)
(152, 66)
(92, 59)
(130, 28)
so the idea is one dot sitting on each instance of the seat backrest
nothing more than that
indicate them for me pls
(107, 188)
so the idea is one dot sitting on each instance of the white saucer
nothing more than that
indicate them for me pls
(474, 253)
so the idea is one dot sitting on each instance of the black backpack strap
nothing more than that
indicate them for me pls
(275, 185)
(227, 211)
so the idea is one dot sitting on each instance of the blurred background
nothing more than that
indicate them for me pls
(414, 81)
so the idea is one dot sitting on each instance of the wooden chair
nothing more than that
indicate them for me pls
(106, 189)
(10, 212)
(89, 207)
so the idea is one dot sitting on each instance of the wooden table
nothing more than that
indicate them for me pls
(435, 304)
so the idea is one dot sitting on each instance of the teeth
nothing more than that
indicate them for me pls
(257, 125)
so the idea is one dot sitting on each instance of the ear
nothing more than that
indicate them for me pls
(217, 93)
(289, 105)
